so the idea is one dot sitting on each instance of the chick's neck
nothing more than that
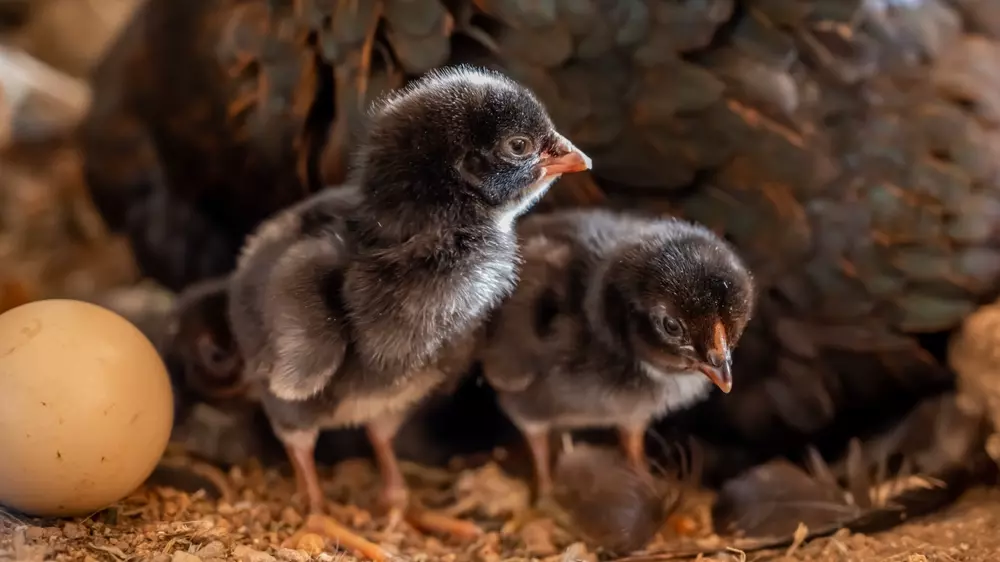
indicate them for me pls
(388, 218)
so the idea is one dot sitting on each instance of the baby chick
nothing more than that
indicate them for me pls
(354, 305)
(200, 343)
(616, 320)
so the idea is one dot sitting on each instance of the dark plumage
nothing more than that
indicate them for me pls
(200, 344)
(617, 320)
(355, 304)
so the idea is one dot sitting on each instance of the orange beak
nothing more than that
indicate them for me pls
(721, 376)
(718, 366)
(564, 159)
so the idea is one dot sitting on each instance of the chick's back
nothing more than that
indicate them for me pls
(294, 262)
(542, 320)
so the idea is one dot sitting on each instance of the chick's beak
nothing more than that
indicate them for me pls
(564, 158)
(718, 364)
(721, 375)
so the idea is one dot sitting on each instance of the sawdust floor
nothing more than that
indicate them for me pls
(248, 512)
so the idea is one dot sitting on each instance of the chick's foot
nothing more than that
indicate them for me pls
(342, 537)
(307, 480)
(439, 523)
(396, 497)
(544, 506)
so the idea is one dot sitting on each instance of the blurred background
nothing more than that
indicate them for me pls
(849, 148)
(52, 241)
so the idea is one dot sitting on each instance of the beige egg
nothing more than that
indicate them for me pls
(85, 408)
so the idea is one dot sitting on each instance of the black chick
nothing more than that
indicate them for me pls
(200, 345)
(616, 320)
(354, 305)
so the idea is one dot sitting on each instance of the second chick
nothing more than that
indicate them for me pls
(617, 320)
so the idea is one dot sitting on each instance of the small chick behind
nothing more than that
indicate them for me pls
(201, 345)
(618, 320)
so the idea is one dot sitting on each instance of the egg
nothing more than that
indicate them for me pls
(86, 408)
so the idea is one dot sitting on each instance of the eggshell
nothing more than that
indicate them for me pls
(86, 408)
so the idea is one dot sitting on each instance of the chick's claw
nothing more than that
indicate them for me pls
(393, 518)
(439, 523)
(327, 527)
(400, 507)
(308, 486)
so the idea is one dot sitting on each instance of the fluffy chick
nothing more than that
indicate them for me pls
(617, 320)
(355, 304)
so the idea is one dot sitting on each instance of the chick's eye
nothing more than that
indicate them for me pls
(672, 327)
(518, 146)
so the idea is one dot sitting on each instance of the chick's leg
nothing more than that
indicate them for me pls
(395, 493)
(537, 438)
(381, 433)
(633, 442)
(300, 447)
(302, 456)
(541, 458)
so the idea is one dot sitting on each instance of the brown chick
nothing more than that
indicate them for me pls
(353, 306)
(616, 320)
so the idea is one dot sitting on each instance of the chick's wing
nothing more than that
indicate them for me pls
(521, 342)
(286, 308)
